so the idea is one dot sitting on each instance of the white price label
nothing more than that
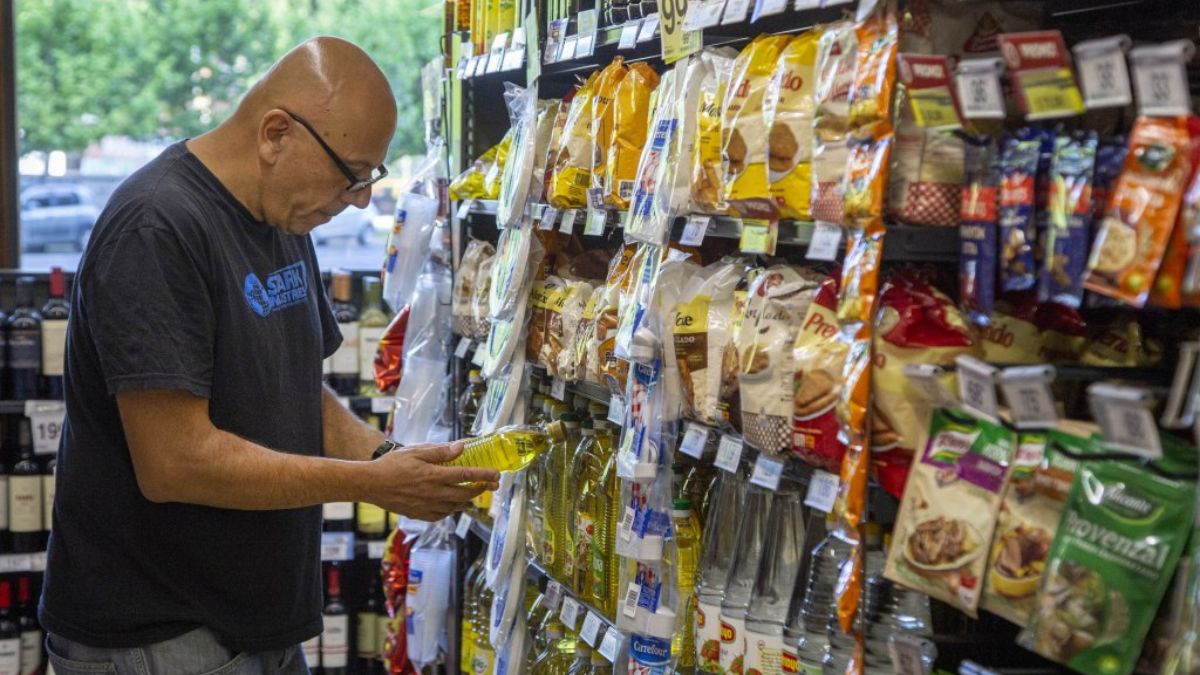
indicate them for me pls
(801, 5)
(513, 58)
(597, 218)
(37, 561)
(587, 21)
(1103, 74)
(569, 613)
(626, 527)
(735, 11)
(632, 593)
(770, 7)
(464, 346)
(15, 563)
(694, 230)
(344, 401)
(337, 546)
(924, 377)
(907, 654)
(381, 405)
(629, 34)
(568, 48)
(979, 93)
(591, 628)
(480, 355)
(558, 389)
(1160, 76)
(694, 441)
(1125, 418)
(586, 45)
(568, 221)
(703, 14)
(1027, 392)
(729, 453)
(495, 57)
(376, 549)
(610, 645)
(826, 241)
(549, 217)
(46, 423)
(977, 386)
(648, 29)
(767, 472)
(477, 66)
(616, 411)
(460, 70)
(822, 491)
(464, 208)
(554, 595)
(464, 526)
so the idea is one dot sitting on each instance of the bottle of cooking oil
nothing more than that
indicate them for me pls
(783, 551)
(747, 553)
(720, 538)
(582, 665)
(468, 403)
(559, 463)
(537, 404)
(599, 665)
(470, 591)
(606, 570)
(586, 466)
(509, 449)
(485, 657)
(558, 655)
(687, 563)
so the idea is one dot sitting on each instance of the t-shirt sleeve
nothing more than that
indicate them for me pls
(150, 313)
(331, 335)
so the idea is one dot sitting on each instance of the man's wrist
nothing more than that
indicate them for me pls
(384, 448)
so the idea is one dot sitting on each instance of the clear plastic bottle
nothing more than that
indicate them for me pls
(509, 449)
(739, 585)
(890, 609)
(824, 565)
(582, 665)
(782, 553)
(468, 403)
(554, 659)
(720, 538)
(471, 581)
(687, 564)
(599, 665)
(605, 573)
(586, 466)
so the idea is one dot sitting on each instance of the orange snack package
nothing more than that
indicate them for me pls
(743, 129)
(631, 118)
(603, 116)
(875, 71)
(571, 157)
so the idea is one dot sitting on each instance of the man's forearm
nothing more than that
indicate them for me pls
(344, 435)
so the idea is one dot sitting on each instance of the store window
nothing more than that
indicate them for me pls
(103, 87)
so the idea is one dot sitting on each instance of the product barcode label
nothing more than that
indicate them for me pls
(767, 472)
(46, 422)
(629, 607)
(694, 230)
(569, 613)
(610, 644)
(558, 389)
(626, 528)
(464, 526)
(826, 241)
(591, 628)
(616, 411)
(729, 453)
(822, 491)
(694, 441)
(977, 386)
(1027, 392)
(554, 595)
(567, 226)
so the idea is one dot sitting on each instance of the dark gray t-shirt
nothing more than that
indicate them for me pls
(180, 288)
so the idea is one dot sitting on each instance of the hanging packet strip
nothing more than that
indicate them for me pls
(977, 231)
(788, 110)
(707, 174)
(744, 135)
(650, 213)
(870, 98)
(1018, 166)
(1070, 219)
(639, 450)
(631, 344)
(604, 113)
(631, 116)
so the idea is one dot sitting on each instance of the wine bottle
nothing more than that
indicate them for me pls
(48, 469)
(10, 633)
(54, 335)
(25, 496)
(367, 626)
(335, 638)
(24, 344)
(344, 366)
(371, 324)
(338, 516)
(3, 355)
(30, 629)
(371, 522)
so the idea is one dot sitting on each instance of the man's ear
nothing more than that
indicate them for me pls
(273, 128)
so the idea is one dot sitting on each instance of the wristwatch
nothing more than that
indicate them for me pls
(384, 448)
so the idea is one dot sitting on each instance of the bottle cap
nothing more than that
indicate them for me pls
(58, 283)
(682, 504)
(556, 432)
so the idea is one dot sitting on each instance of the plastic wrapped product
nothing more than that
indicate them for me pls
(472, 183)
(610, 369)
(708, 176)
(480, 295)
(819, 359)
(498, 403)
(542, 295)
(586, 367)
(788, 109)
(977, 231)
(518, 171)
(834, 76)
(1019, 168)
(702, 333)
(510, 268)
(1070, 219)
(465, 279)
(407, 247)
(389, 356)
(428, 596)
(604, 116)
(631, 117)
(572, 156)
(651, 210)
(567, 321)
(926, 179)
(870, 97)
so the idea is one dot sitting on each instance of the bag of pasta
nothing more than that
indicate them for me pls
(572, 158)
(743, 131)
(631, 116)
(788, 110)
(708, 176)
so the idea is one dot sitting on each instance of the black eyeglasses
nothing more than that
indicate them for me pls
(356, 183)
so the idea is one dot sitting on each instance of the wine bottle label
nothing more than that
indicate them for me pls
(371, 519)
(3, 502)
(312, 651)
(733, 642)
(335, 641)
(345, 359)
(338, 511)
(24, 348)
(708, 638)
(10, 656)
(47, 500)
(25, 503)
(764, 653)
(31, 652)
(368, 344)
(54, 344)
(367, 634)
(382, 633)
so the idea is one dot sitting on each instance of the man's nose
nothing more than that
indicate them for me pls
(360, 198)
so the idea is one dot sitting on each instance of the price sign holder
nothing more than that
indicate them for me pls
(569, 45)
(768, 8)
(45, 423)
(1027, 392)
(569, 613)
(927, 81)
(464, 208)
(1160, 77)
(597, 219)
(735, 11)
(759, 236)
(695, 229)
(703, 14)
(648, 28)
(1183, 401)
(729, 453)
(826, 241)
(1103, 73)
(460, 69)
(496, 55)
(480, 355)
(1125, 418)
(977, 387)
(464, 526)
(926, 378)
(591, 628)
(587, 21)
(695, 440)
(822, 491)
(554, 595)
(556, 36)
(516, 52)
(1041, 73)
(977, 83)
(567, 226)
(767, 472)
(611, 644)
(629, 34)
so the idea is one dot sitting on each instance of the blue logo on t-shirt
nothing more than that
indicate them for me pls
(285, 287)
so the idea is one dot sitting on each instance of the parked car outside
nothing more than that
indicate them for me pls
(352, 223)
(57, 214)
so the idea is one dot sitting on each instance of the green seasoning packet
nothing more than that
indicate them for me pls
(1117, 545)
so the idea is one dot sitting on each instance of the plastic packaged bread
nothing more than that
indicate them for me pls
(819, 358)
(631, 117)
(743, 130)
(788, 109)
(708, 176)
(572, 157)
(702, 333)
(603, 116)
(834, 72)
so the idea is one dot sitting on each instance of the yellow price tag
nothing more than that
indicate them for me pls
(759, 236)
(676, 42)
(934, 109)
(1051, 93)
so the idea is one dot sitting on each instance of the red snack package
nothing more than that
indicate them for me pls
(389, 356)
(819, 359)
(394, 573)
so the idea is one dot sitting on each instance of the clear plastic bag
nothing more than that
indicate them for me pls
(518, 171)
(430, 573)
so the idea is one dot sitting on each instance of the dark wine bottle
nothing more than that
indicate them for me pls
(31, 630)
(335, 638)
(367, 625)
(48, 469)
(25, 496)
(24, 344)
(343, 376)
(3, 355)
(10, 632)
(54, 335)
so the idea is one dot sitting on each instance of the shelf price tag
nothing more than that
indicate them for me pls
(822, 491)
(977, 386)
(19, 562)
(930, 95)
(569, 45)
(616, 411)
(554, 595)
(610, 644)
(648, 28)
(907, 653)
(515, 54)
(1125, 418)
(376, 549)
(759, 236)
(460, 70)
(558, 388)
(464, 346)
(46, 422)
(480, 355)
(464, 526)
(694, 441)
(630, 606)
(695, 229)
(729, 453)
(464, 208)
(735, 11)
(570, 612)
(676, 41)
(768, 8)
(1103, 74)
(767, 472)
(556, 33)
(1041, 73)
(597, 218)
(826, 241)
(926, 378)
(1027, 392)
(549, 217)
(591, 628)
(629, 34)
(381, 405)
(703, 14)
(337, 546)
(977, 83)
(1160, 76)
(496, 55)
(587, 21)
(567, 226)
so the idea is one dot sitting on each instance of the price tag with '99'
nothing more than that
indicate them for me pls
(45, 422)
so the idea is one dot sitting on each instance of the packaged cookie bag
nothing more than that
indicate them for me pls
(465, 279)
(819, 358)
(949, 509)
(778, 302)
(743, 131)
(834, 71)
(702, 332)
(572, 156)
(788, 111)
(631, 117)
(707, 173)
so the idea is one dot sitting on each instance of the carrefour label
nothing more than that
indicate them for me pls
(708, 638)
(733, 644)
(764, 653)
(649, 655)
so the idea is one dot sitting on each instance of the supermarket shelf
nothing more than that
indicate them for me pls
(355, 403)
(12, 407)
(17, 563)
(590, 391)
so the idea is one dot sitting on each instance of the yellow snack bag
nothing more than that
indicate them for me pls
(743, 131)
(603, 115)
(630, 122)
(708, 177)
(572, 158)
(788, 110)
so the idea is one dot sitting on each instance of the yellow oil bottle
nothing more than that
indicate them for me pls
(509, 449)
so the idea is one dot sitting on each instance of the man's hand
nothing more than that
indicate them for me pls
(413, 483)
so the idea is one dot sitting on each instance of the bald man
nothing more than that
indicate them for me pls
(200, 442)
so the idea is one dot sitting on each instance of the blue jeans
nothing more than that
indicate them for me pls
(198, 652)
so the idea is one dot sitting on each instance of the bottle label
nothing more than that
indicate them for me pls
(54, 346)
(365, 634)
(31, 651)
(335, 641)
(371, 519)
(345, 359)
(584, 529)
(484, 660)
(368, 344)
(10, 656)
(312, 651)
(468, 646)
(382, 633)
(338, 511)
(3, 502)
(24, 350)
(25, 503)
(789, 661)
(764, 653)
(708, 638)
(733, 644)
(649, 655)
(47, 501)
